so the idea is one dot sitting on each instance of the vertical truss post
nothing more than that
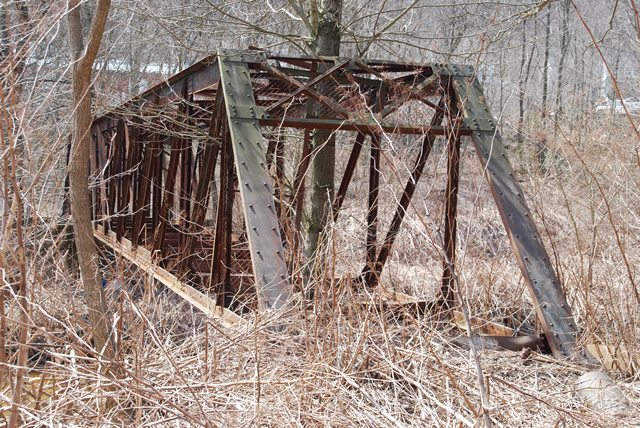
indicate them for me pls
(348, 175)
(374, 190)
(175, 150)
(115, 167)
(144, 180)
(176, 144)
(132, 146)
(299, 181)
(93, 165)
(265, 243)
(372, 276)
(275, 157)
(209, 157)
(222, 244)
(297, 199)
(156, 183)
(102, 185)
(547, 294)
(186, 173)
(451, 207)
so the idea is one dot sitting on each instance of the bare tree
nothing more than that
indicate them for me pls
(327, 43)
(83, 57)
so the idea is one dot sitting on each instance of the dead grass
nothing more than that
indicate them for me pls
(352, 360)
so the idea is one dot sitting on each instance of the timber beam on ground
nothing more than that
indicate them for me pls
(142, 258)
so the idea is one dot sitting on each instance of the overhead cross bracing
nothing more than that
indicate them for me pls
(175, 164)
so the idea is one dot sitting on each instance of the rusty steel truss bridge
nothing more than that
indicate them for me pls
(168, 164)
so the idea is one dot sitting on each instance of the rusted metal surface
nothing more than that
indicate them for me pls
(549, 298)
(451, 209)
(156, 162)
(265, 243)
(371, 276)
(374, 190)
(222, 257)
(209, 156)
(348, 175)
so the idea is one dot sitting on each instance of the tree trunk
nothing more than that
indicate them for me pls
(327, 43)
(84, 58)
(523, 60)
(564, 44)
(541, 152)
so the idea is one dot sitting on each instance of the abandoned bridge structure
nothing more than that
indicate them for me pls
(168, 165)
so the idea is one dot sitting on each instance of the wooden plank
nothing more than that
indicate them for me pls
(265, 243)
(481, 326)
(141, 257)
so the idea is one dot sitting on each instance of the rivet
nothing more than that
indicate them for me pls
(273, 228)
(254, 228)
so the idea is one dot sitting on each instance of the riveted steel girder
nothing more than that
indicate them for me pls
(265, 243)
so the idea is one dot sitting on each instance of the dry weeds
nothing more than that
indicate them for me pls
(351, 359)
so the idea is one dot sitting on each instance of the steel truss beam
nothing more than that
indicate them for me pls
(265, 242)
(163, 211)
